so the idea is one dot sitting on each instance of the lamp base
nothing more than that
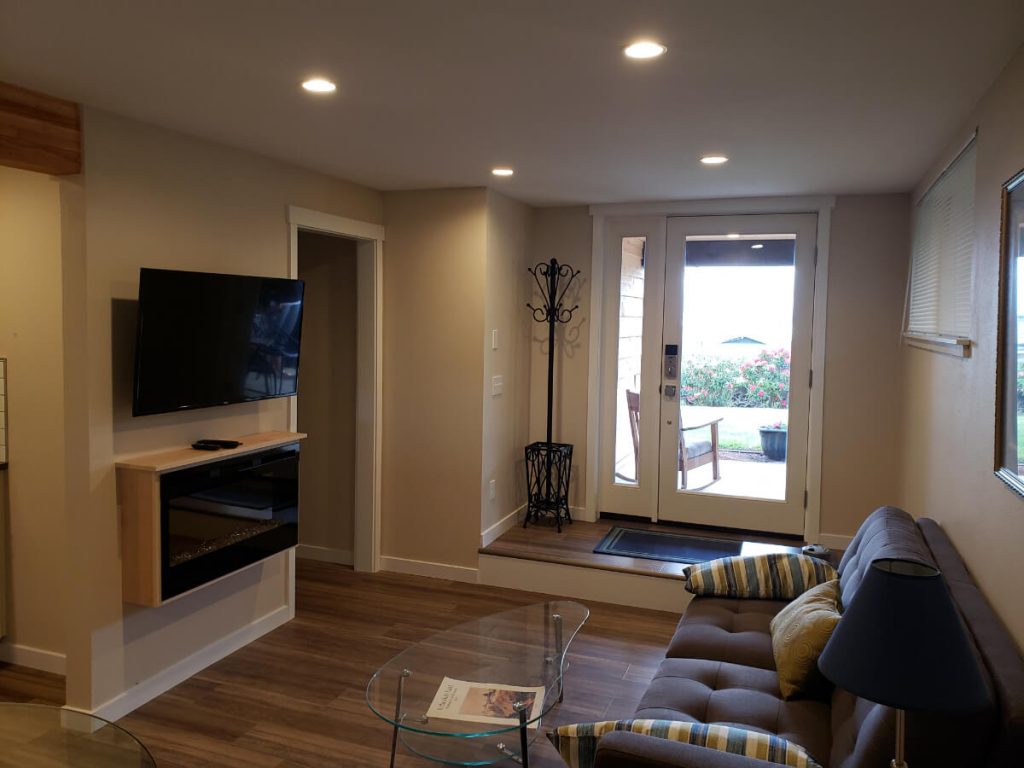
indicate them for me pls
(901, 737)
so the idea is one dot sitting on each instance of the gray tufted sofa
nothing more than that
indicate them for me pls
(719, 668)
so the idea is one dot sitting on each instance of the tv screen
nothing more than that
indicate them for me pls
(206, 339)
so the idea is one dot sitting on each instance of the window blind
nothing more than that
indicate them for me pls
(942, 254)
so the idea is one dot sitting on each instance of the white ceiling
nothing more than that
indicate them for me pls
(805, 96)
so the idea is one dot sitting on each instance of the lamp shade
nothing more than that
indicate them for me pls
(901, 642)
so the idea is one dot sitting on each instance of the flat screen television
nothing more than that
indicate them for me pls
(206, 339)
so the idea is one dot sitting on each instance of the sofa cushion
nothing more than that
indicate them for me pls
(799, 634)
(723, 629)
(577, 744)
(704, 691)
(888, 532)
(773, 576)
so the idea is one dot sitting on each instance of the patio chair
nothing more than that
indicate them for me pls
(694, 454)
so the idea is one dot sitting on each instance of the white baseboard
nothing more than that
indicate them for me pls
(580, 513)
(655, 592)
(163, 681)
(835, 540)
(324, 554)
(507, 523)
(33, 658)
(431, 570)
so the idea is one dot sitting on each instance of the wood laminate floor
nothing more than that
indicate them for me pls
(575, 545)
(295, 697)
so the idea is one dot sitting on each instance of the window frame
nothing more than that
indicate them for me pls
(1006, 395)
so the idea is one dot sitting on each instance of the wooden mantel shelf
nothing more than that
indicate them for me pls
(180, 458)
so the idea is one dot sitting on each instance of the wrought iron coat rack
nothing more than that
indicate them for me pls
(548, 276)
(549, 464)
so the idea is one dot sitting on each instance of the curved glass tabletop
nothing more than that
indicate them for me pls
(456, 696)
(44, 735)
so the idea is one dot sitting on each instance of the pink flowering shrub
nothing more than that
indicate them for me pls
(764, 381)
(707, 381)
(759, 383)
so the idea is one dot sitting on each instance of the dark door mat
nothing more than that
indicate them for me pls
(662, 545)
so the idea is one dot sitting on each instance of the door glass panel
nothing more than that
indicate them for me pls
(737, 331)
(630, 360)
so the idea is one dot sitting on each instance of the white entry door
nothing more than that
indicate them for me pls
(706, 369)
(735, 399)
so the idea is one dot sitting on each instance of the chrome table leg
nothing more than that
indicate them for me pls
(398, 713)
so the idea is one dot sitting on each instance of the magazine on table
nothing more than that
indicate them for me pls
(494, 703)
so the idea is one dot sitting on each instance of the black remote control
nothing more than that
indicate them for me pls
(219, 443)
(201, 446)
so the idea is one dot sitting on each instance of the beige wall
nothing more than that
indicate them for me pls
(866, 282)
(434, 266)
(31, 339)
(327, 392)
(506, 416)
(160, 199)
(948, 422)
(563, 234)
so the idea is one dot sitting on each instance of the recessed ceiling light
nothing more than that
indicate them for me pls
(758, 245)
(502, 171)
(319, 85)
(733, 236)
(644, 49)
(714, 159)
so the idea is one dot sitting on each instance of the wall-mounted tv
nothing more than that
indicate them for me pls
(206, 339)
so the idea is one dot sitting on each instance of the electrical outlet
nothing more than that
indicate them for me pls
(492, 488)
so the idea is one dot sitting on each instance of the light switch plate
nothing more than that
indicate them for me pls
(497, 385)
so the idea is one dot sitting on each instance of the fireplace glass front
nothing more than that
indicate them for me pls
(222, 516)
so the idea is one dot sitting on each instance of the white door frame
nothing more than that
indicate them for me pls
(369, 355)
(820, 205)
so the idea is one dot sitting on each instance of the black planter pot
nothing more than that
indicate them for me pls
(773, 443)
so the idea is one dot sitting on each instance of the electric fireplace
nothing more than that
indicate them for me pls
(218, 517)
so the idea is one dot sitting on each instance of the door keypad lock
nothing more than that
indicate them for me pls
(671, 364)
(670, 391)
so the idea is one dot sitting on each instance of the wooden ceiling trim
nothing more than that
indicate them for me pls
(39, 132)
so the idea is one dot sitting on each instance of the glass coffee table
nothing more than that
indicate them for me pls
(44, 735)
(475, 694)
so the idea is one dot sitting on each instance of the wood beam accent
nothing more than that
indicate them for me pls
(39, 132)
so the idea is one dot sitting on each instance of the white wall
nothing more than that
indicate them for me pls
(564, 234)
(32, 488)
(160, 199)
(434, 266)
(948, 423)
(505, 416)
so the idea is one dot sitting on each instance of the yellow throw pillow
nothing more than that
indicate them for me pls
(799, 634)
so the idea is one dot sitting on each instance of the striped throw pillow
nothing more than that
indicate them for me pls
(775, 576)
(577, 744)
